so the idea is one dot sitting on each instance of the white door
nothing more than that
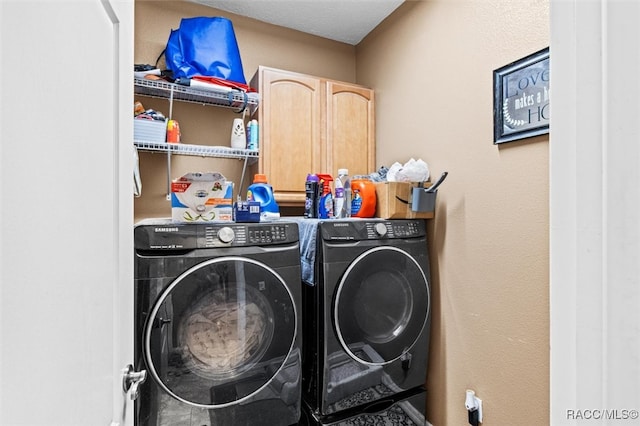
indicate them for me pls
(66, 211)
(594, 202)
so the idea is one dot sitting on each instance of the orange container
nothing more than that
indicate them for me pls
(173, 131)
(363, 198)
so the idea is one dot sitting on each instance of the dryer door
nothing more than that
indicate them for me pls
(381, 305)
(220, 332)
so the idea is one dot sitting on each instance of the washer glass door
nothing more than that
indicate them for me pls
(220, 332)
(381, 305)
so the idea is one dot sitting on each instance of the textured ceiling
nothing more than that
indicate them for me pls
(347, 21)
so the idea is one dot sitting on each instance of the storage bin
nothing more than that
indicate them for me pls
(149, 130)
(394, 201)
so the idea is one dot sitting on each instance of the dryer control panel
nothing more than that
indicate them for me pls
(357, 230)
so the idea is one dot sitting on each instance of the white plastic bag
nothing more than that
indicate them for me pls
(411, 171)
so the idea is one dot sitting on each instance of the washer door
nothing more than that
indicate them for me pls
(220, 332)
(381, 305)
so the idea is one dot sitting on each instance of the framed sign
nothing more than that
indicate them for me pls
(521, 98)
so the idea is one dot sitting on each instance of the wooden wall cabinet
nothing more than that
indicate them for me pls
(310, 124)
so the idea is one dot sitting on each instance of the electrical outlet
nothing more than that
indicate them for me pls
(473, 404)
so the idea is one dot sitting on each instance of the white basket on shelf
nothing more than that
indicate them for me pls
(149, 130)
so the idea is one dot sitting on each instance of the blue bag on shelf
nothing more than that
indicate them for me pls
(204, 46)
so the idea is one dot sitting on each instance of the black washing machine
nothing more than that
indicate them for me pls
(217, 323)
(367, 324)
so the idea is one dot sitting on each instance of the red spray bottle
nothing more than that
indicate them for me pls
(325, 204)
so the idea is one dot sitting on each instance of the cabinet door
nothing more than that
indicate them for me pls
(291, 132)
(350, 137)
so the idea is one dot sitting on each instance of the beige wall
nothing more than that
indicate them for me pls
(259, 44)
(431, 65)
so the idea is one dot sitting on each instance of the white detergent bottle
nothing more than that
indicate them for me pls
(342, 195)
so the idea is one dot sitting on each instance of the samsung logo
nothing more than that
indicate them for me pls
(174, 229)
(341, 225)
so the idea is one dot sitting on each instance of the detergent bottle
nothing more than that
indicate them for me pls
(342, 195)
(262, 192)
(325, 203)
(363, 202)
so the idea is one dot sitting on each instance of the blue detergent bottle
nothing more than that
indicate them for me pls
(262, 192)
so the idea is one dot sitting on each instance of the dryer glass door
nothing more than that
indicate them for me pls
(381, 305)
(220, 332)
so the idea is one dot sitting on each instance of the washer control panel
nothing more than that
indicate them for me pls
(246, 234)
(166, 236)
(357, 230)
